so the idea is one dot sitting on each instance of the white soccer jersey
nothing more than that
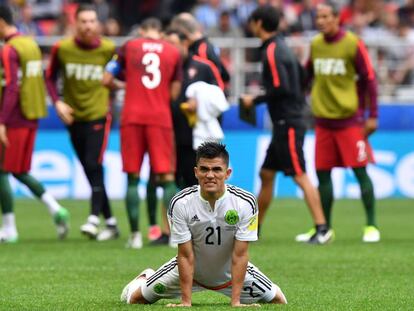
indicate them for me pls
(213, 230)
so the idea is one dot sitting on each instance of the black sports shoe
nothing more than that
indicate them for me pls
(322, 238)
(162, 240)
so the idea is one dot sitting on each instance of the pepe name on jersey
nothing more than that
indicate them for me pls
(329, 66)
(84, 71)
(152, 47)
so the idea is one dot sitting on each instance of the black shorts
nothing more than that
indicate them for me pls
(285, 152)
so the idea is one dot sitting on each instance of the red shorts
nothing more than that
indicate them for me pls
(157, 141)
(344, 147)
(17, 156)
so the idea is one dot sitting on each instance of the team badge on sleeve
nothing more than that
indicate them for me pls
(231, 217)
(253, 224)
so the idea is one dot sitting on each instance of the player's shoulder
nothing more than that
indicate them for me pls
(181, 199)
(317, 39)
(244, 197)
(107, 43)
(352, 37)
(66, 42)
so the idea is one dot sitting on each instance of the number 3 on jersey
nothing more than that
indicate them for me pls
(151, 61)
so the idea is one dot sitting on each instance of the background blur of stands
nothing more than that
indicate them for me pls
(396, 101)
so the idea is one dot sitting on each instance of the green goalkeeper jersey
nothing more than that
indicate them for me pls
(83, 70)
(334, 92)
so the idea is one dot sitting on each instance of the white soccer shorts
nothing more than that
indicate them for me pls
(165, 284)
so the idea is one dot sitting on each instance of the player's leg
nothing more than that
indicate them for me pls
(154, 231)
(78, 140)
(162, 156)
(8, 232)
(258, 288)
(265, 195)
(149, 286)
(267, 177)
(133, 146)
(371, 232)
(96, 133)
(60, 214)
(357, 153)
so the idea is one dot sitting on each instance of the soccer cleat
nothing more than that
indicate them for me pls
(136, 283)
(109, 233)
(305, 237)
(61, 219)
(371, 235)
(8, 237)
(154, 232)
(90, 230)
(135, 241)
(164, 239)
(320, 238)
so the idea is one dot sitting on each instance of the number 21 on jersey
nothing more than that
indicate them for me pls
(152, 79)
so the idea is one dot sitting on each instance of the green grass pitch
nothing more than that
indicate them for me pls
(41, 273)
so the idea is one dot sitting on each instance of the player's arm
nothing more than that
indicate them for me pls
(64, 111)
(239, 262)
(185, 260)
(279, 84)
(368, 82)
(11, 89)
(180, 234)
(175, 87)
(112, 69)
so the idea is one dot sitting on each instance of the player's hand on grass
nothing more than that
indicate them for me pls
(178, 305)
(371, 125)
(242, 305)
(3, 135)
(247, 100)
(65, 112)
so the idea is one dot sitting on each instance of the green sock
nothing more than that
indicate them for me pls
(170, 189)
(6, 195)
(132, 203)
(35, 187)
(152, 202)
(326, 192)
(367, 194)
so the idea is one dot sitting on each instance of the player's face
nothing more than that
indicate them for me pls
(326, 21)
(254, 27)
(211, 175)
(87, 25)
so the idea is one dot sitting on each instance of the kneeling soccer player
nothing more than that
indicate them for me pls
(212, 223)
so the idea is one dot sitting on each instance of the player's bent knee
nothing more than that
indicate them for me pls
(137, 298)
(279, 298)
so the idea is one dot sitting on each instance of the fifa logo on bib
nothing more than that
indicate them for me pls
(231, 217)
(329, 66)
(34, 68)
(84, 71)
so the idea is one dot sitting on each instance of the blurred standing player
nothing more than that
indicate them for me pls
(283, 81)
(195, 69)
(85, 108)
(344, 87)
(23, 104)
(153, 74)
(213, 224)
(200, 46)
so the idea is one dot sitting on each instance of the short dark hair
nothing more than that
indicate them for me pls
(83, 8)
(151, 23)
(171, 31)
(211, 150)
(185, 25)
(6, 14)
(334, 7)
(269, 16)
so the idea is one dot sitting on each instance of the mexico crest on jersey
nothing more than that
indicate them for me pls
(231, 217)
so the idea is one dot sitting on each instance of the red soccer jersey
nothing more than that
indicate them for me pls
(150, 67)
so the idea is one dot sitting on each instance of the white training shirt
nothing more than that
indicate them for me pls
(213, 231)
